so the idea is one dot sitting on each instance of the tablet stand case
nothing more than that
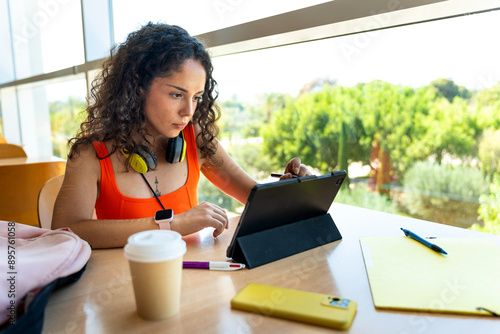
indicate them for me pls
(273, 244)
(284, 218)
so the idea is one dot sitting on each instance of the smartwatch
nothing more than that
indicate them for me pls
(163, 218)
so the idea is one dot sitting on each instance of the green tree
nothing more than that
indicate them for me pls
(65, 117)
(489, 152)
(489, 210)
(310, 127)
(232, 118)
(486, 105)
(241, 120)
(447, 129)
(272, 102)
(278, 136)
(448, 89)
(409, 124)
(408, 128)
(488, 96)
(207, 192)
(389, 114)
(418, 124)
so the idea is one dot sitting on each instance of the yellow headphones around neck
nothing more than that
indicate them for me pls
(144, 160)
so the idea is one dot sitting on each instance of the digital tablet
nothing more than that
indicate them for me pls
(274, 204)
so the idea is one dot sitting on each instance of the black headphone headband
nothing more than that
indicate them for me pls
(175, 150)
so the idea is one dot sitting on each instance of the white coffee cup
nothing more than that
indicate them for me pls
(155, 259)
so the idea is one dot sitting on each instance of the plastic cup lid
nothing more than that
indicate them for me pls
(154, 246)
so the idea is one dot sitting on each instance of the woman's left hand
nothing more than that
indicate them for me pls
(295, 168)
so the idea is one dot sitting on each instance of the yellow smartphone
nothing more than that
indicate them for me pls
(309, 307)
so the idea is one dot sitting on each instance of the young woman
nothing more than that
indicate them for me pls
(149, 131)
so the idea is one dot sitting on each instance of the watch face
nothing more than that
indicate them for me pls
(164, 214)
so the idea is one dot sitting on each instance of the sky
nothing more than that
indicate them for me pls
(464, 49)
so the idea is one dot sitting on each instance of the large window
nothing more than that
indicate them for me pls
(411, 110)
(46, 36)
(49, 113)
(402, 94)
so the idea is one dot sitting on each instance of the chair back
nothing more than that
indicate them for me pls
(46, 200)
(11, 151)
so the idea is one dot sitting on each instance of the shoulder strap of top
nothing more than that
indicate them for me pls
(101, 149)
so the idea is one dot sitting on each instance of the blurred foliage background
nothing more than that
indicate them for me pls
(431, 152)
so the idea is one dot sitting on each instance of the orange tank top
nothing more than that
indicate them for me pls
(112, 204)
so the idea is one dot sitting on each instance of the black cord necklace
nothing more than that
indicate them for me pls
(156, 196)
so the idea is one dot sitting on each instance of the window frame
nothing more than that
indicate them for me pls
(304, 25)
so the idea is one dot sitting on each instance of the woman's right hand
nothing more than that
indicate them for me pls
(199, 217)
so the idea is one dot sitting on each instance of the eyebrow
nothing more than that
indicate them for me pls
(184, 90)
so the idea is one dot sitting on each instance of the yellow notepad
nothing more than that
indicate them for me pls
(406, 275)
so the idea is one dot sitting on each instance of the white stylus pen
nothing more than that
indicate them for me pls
(214, 265)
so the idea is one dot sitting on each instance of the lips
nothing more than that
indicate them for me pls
(179, 126)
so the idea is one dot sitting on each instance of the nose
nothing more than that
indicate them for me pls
(188, 108)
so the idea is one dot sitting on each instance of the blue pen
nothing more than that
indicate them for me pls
(424, 242)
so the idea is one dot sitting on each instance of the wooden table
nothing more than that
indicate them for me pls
(20, 182)
(103, 302)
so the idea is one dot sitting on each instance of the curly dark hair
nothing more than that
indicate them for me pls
(115, 111)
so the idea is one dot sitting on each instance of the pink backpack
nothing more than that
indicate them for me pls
(32, 258)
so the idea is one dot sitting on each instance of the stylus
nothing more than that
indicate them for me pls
(415, 237)
(280, 175)
(213, 265)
